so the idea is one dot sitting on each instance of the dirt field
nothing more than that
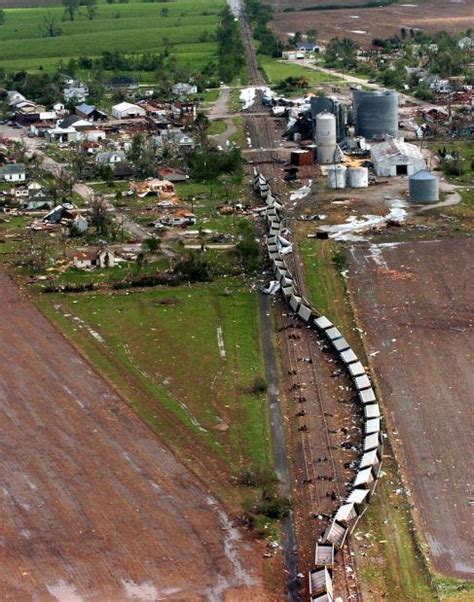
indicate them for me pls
(414, 302)
(92, 507)
(365, 24)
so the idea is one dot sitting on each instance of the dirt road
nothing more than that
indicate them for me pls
(93, 508)
(415, 304)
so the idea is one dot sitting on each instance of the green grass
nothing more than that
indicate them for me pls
(218, 126)
(277, 71)
(160, 349)
(138, 28)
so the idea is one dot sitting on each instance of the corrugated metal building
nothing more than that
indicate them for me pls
(396, 158)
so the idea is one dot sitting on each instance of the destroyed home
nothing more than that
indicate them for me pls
(89, 112)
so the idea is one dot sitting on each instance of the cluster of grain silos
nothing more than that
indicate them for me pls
(423, 187)
(375, 113)
(340, 176)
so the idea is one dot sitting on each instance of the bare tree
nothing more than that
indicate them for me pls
(91, 8)
(70, 8)
(49, 26)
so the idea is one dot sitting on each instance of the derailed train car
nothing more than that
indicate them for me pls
(350, 511)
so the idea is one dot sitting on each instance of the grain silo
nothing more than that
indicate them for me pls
(326, 138)
(423, 187)
(337, 176)
(357, 177)
(331, 105)
(375, 113)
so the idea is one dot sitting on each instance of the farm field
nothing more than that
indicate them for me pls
(365, 24)
(134, 27)
(93, 507)
(416, 311)
(186, 358)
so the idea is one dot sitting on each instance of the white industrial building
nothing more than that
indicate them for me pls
(395, 157)
(127, 110)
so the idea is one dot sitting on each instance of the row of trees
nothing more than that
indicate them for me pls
(260, 16)
(231, 55)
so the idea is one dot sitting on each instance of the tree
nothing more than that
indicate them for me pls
(341, 52)
(70, 8)
(311, 35)
(2, 16)
(151, 245)
(297, 37)
(100, 217)
(50, 27)
(91, 8)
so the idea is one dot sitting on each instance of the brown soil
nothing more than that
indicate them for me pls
(382, 22)
(93, 508)
(415, 303)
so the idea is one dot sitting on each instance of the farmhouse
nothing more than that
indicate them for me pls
(127, 110)
(96, 258)
(395, 157)
(13, 172)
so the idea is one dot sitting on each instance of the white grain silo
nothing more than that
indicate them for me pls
(357, 177)
(326, 138)
(337, 176)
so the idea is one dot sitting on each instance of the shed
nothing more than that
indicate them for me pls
(371, 460)
(396, 157)
(127, 110)
(359, 497)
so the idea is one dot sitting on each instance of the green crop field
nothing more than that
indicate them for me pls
(133, 27)
(161, 349)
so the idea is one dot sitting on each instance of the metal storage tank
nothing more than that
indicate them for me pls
(423, 187)
(375, 113)
(337, 176)
(326, 138)
(357, 177)
(319, 104)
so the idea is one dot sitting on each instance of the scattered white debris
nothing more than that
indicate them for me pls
(247, 95)
(220, 342)
(302, 192)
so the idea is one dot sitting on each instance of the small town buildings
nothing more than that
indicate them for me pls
(89, 112)
(13, 172)
(122, 82)
(395, 157)
(95, 258)
(37, 200)
(127, 110)
(172, 174)
(153, 186)
(183, 217)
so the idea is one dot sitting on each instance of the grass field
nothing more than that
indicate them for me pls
(161, 350)
(277, 71)
(134, 27)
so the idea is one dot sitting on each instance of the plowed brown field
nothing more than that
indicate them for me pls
(92, 507)
(415, 303)
(365, 24)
